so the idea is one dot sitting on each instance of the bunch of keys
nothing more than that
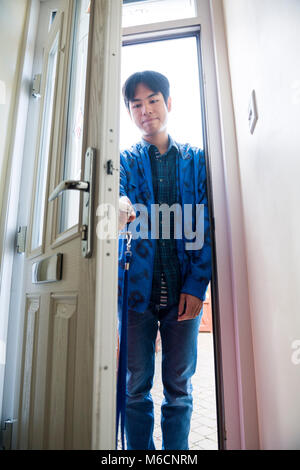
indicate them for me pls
(128, 252)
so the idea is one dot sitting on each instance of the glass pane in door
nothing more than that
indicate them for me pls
(137, 12)
(69, 207)
(39, 202)
(185, 119)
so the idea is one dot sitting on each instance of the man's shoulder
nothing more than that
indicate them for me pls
(134, 150)
(129, 156)
(189, 151)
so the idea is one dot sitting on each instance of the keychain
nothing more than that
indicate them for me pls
(128, 252)
(122, 367)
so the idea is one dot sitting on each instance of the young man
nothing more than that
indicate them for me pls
(168, 275)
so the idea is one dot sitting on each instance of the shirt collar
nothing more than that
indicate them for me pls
(172, 143)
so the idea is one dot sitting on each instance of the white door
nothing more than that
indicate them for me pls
(69, 297)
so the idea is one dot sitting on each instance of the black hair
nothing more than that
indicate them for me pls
(153, 80)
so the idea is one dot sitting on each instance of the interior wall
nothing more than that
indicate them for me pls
(264, 55)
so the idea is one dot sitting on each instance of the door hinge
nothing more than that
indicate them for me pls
(21, 239)
(7, 433)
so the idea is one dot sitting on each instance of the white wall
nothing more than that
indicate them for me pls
(264, 54)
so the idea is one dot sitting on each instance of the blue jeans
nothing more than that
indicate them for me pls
(179, 357)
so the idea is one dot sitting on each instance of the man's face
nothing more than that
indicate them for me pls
(149, 111)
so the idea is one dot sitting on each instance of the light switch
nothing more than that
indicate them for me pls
(252, 113)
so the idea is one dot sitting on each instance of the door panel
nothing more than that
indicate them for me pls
(71, 164)
(58, 371)
(62, 351)
(49, 93)
(32, 314)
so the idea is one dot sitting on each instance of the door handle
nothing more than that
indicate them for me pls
(66, 185)
(88, 188)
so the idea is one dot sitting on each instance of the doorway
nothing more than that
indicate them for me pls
(176, 53)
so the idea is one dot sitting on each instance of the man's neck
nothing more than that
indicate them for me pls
(161, 141)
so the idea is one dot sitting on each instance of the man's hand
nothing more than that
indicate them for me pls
(189, 307)
(126, 212)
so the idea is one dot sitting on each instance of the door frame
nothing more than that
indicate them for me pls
(11, 263)
(233, 292)
(176, 30)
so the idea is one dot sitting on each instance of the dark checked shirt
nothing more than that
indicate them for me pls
(166, 281)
